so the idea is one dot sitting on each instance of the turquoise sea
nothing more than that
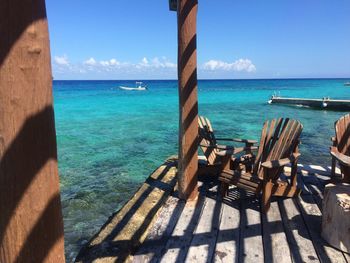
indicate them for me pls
(110, 140)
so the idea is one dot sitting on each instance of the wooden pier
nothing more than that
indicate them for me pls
(324, 103)
(156, 226)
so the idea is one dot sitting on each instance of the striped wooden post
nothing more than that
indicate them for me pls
(31, 226)
(188, 102)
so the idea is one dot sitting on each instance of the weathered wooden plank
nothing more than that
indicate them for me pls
(251, 244)
(127, 228)
(204, 238)
(160, 231)
(301, 247)
(313, 218)
(227, 245)
(180, 240)
(275, 242)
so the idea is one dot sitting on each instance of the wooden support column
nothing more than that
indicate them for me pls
(188, 102)
(31, 226)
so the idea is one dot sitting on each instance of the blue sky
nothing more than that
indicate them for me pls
(123, 39)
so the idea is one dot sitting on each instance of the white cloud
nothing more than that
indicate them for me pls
(61, 60)
(91, 61)
(238, 65)
(108, 63)
(104, 63)
(112, 67)
(114, 62)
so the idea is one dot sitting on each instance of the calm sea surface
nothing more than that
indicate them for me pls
(110, 140)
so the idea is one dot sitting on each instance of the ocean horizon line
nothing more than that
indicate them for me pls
(219, 79)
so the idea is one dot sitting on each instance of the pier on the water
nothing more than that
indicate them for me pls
(324, 103)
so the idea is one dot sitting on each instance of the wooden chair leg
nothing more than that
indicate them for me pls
(294, 174)
(333, 167)
(266, 195)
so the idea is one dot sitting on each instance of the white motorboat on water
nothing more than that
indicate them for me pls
(138, 86)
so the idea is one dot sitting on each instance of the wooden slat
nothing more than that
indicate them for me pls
(281, 134)
(261, 147)
(227, 245)
(313, 218)
(301, 247)
(127, 228)
(160, 232)
(275, 242)
(204, 237)
(180, 240)
(251, 245)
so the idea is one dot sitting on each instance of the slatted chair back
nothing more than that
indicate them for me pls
(207, 139)
(342, 132)
(279, 138)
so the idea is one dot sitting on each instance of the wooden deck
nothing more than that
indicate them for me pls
(233, 229)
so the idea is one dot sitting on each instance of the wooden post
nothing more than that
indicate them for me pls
(188, 105)
(31, 227)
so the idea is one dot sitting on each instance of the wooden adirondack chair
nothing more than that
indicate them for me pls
(340, 150)
(278, 147)
(220, 156)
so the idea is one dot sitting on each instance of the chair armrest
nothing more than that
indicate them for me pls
(219, 147)
(237, 140)
(342, 158)
(236, 150)
(280, 162)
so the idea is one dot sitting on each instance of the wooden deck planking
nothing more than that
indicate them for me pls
(234, 230)
(276, 248)
(251, 245)
(230, 230)
(154, 244)
(178, 244)
(203, 242)
(313, 219)
(301, 246)
(227, 245)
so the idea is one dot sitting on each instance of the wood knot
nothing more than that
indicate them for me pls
(34, 50)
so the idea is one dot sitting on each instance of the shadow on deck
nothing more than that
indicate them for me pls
(156, 226)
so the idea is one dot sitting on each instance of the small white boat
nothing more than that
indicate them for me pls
(138, 86)
(347, 84)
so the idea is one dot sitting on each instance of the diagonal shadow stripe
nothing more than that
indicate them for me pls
(189, 88)
(26, 144)
(18, 22)
(188, 51)
(185, 11)
(46, 218)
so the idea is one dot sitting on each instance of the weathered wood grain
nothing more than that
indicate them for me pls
(227, 245)
(180, 240)
(161, 230)
(251, 244)
(128, 228)
(313, 219)
(188, 101)
(204, 237)
(276, 247)
(301, 246)
(31, 225)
